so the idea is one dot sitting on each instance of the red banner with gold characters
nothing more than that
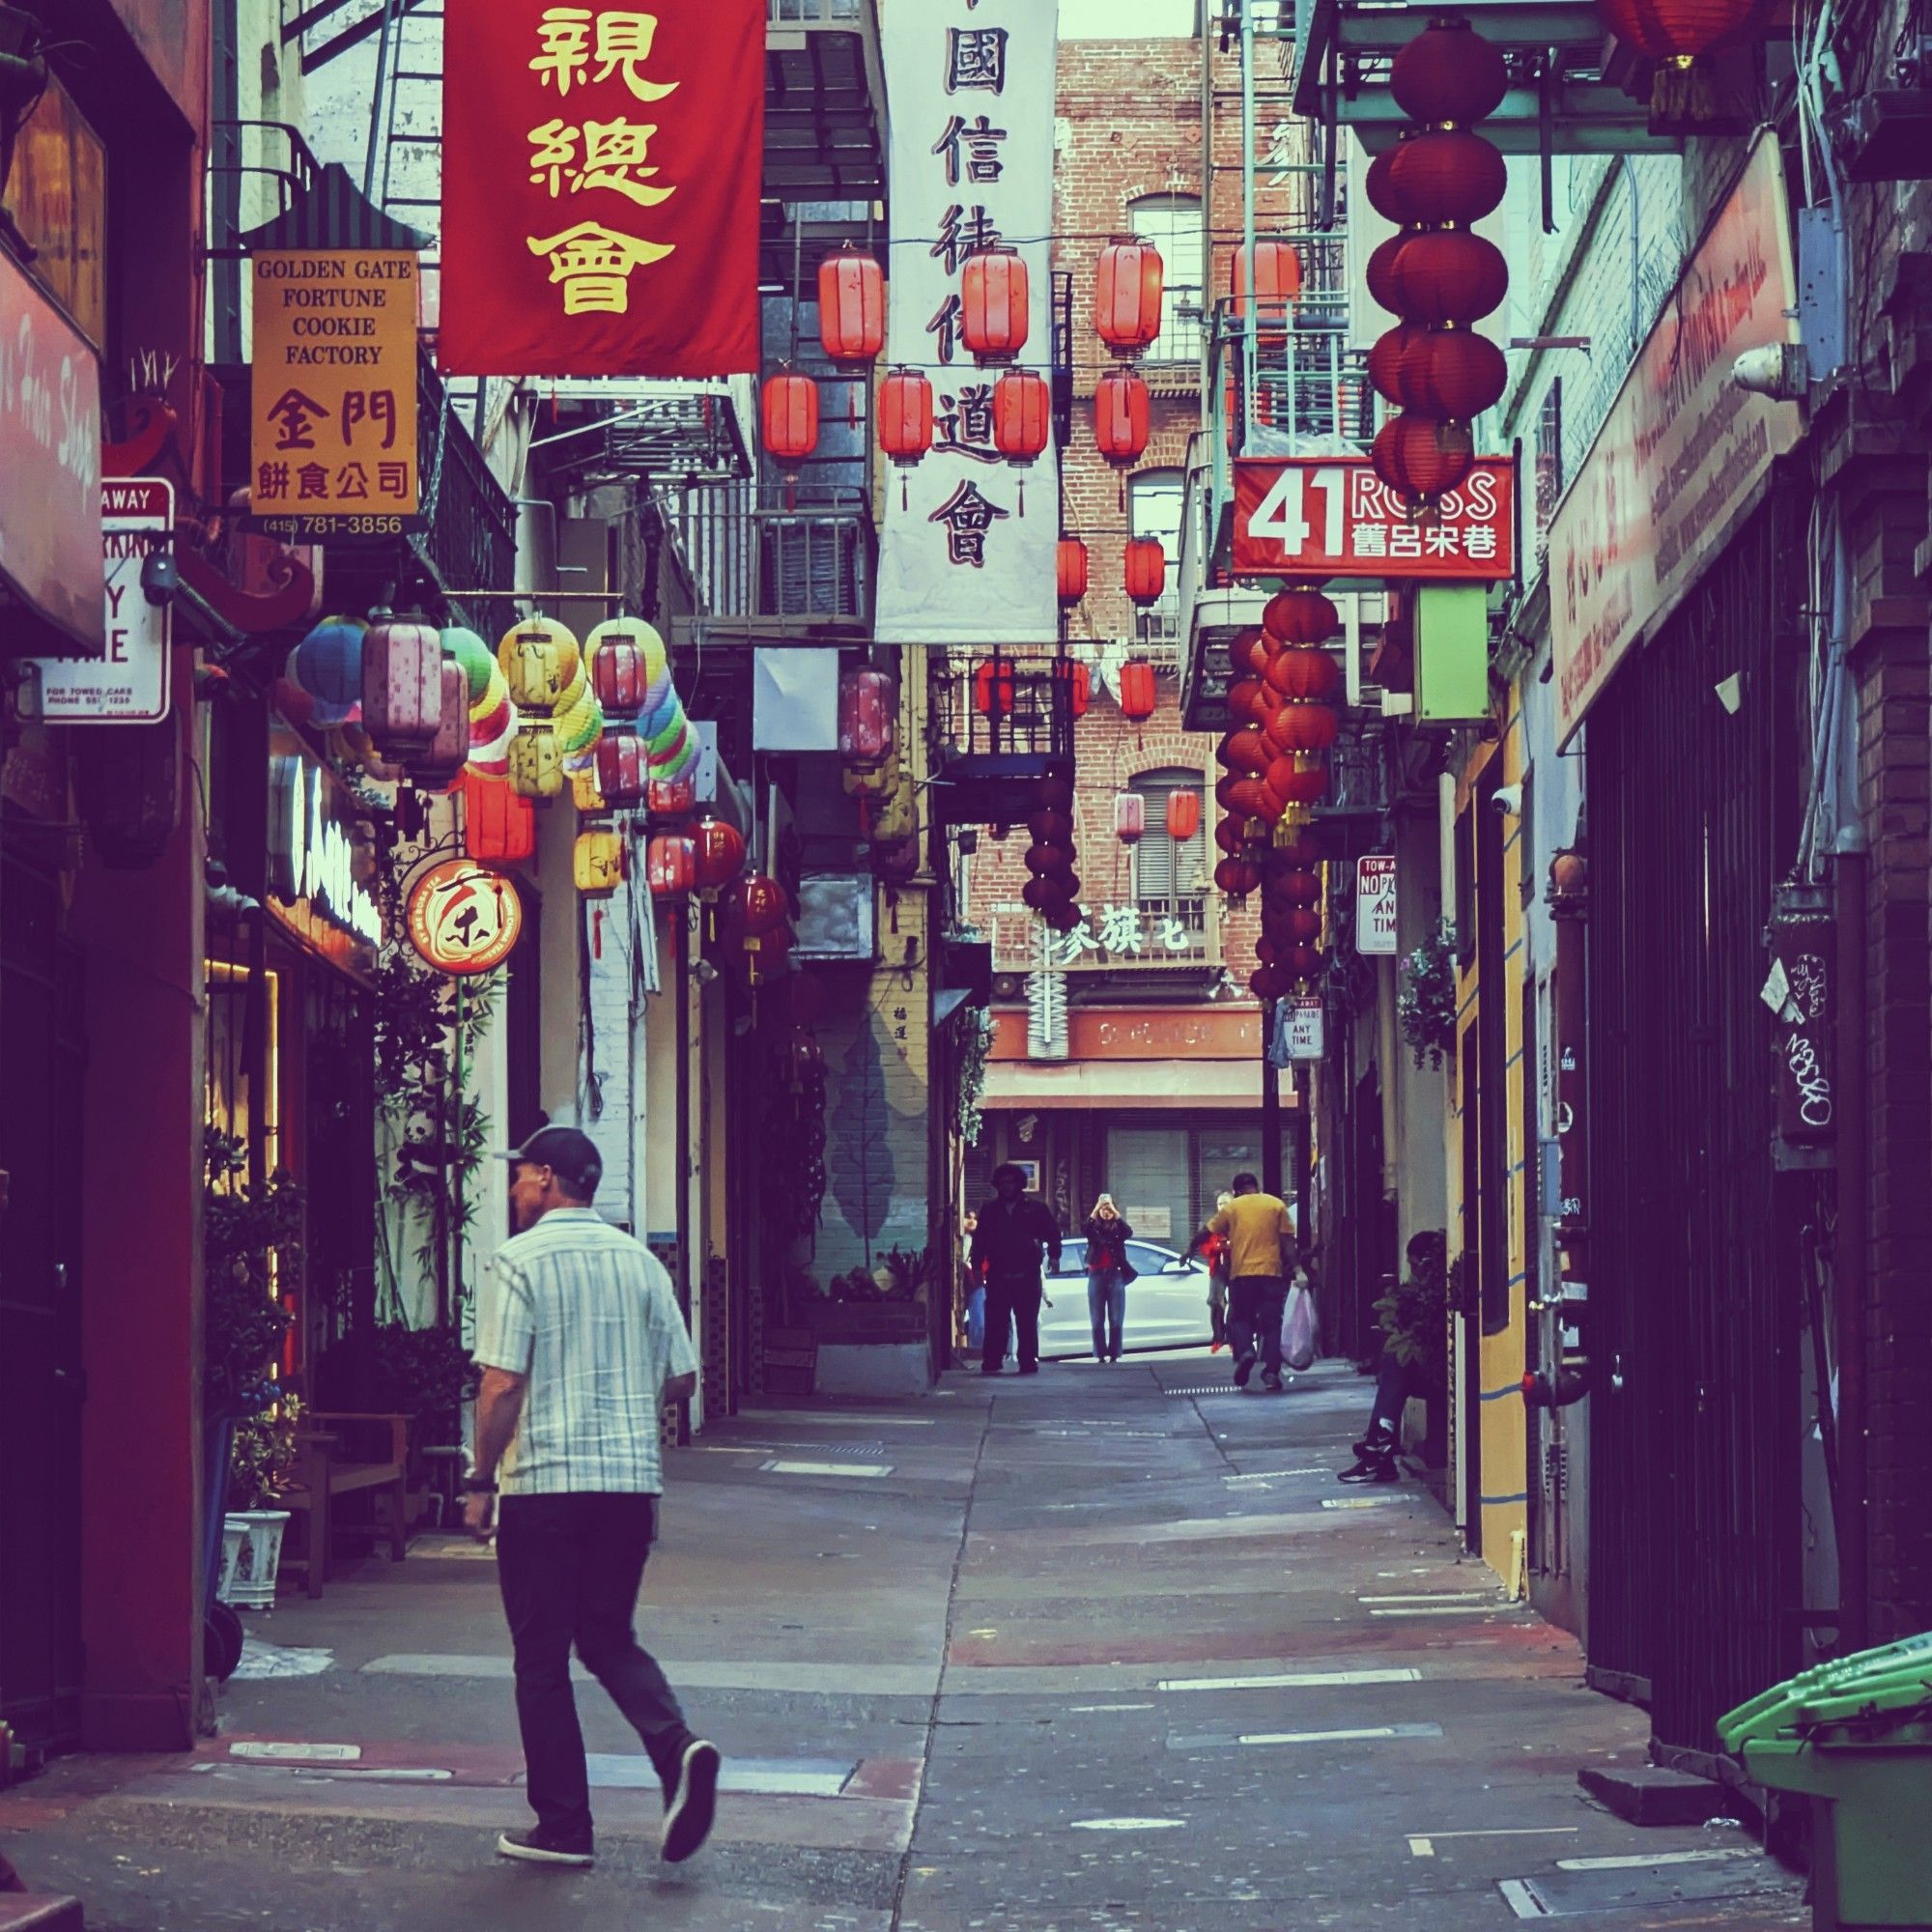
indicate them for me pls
(599, 188)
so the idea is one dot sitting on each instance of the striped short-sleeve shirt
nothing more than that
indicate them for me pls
(587, 1315)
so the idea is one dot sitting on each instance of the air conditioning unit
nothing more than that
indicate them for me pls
(1046, 1015)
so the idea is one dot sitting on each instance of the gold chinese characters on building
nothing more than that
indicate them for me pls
(333, 449)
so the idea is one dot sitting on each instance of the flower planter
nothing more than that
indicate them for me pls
(251, 1578)
(867, 1321)
(233, 1531)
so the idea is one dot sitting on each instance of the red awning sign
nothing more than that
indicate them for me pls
(1314, 518)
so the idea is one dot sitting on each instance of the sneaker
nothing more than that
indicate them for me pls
(1372, 1470)
(1271, 1382)
(1244, 1367)
(1029, 1368)
(693, 1802)
(1378, 1443)
(538, 1847)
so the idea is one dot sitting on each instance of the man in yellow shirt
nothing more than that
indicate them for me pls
(1259, 1232)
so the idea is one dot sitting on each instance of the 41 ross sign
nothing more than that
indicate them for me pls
(1314, 518)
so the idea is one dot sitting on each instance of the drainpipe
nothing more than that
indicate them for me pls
(1251, 317)
(1850, 1287)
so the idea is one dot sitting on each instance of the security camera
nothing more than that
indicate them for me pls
(1506, 800)
(1780, 370)
(703, 972)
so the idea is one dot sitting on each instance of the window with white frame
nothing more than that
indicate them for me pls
(1170, 875)
(1172, 222)
(1155, 504)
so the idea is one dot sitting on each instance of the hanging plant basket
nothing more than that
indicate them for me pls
(1426, 1003)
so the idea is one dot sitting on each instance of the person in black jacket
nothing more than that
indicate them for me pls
(1006, 1254)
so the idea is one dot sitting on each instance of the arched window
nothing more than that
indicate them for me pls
(1155, 504)
(1172, 222)
(1171, 877)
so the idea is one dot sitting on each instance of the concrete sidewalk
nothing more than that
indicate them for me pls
(1100, 1648)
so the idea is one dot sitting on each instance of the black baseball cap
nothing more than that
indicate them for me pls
(570, 1154)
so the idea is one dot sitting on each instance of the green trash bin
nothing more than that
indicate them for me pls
(1856, 1736)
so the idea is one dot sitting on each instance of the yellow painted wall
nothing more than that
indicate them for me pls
(1502, 1356)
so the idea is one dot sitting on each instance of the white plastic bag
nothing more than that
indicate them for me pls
(1300, 1330)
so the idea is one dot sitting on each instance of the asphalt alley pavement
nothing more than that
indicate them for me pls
(1099, 1649)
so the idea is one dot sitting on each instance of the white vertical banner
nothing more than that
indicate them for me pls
(968, 552)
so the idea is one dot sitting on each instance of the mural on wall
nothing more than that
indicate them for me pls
(877, 1154)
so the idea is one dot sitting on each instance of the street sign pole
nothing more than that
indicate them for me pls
(1270, 1104)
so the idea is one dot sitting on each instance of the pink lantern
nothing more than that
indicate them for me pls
(867, 703)
(448, 751)
(621, 772)
(401, 686)
(1129, 817)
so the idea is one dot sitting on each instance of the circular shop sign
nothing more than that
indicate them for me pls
(464, 917)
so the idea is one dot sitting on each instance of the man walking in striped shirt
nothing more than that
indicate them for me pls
(580, 1342)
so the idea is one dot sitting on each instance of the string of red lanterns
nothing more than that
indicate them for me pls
(1436, 275)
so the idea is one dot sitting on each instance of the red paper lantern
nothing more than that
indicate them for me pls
(1447, 174)
(851, 306)
(905, 417)
(1298, 783)
(1126, 297)
(1448, 73)
(1249, 798)
(1379, 271)
(1268, 983)
(1245, 750)
(1129, 817)
(1385, 357)
(1121, 419)
(1184, 815)
(993, 304)
(622, 776)
(1237, 877)
(1304, 675)
(618, 678)
(671, 866)
(1448, 275)
(1137, 689)
(1300, 618)
(1022, 412)
(867, 711)
(1073, 571)
(1294, 890)
(717, 853)
(1245, 695)
(789, 411)
(672, 798)
(758, 907)
(1302, 728)
(1043, 895)
(1277, 277)
(1301, 962)
(1303, 850)
(1420, 457)
(498, 827)
(1231, 835)
(994, 689)
(1249, 651)
(1378, 186)
(1297, 926)
(1048, 861)
(1050, 828)
(1676, 32)
(1145, 567)
(1453, 374)
(1077, 681)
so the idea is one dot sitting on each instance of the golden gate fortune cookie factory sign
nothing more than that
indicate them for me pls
(332, 441)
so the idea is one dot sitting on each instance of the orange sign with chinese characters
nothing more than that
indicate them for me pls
(600, 189)
(464, 917)
(333, 449)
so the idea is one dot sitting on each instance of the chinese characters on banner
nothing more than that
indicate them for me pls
(1122, 932)
(333, 444)
(600, 189)
(1683, 451)
(1314, 518)
(971, 83)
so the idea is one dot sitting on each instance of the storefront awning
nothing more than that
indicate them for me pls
(1143, 1086)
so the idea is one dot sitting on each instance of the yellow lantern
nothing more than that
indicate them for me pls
(536, 764)
(895, 816)
(584, 795)
(541, 661)
(597, 861)
(872, 781)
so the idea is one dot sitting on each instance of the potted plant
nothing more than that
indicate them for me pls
(1425, 1000)
(1414, 1316)
(262, 1467)
(882, 1303)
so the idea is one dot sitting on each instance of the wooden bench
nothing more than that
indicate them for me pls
(328, 1472)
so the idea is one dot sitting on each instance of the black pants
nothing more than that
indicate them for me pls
(1017, 1300)
(570, 1568)
(1255, 1306)
(1394, 1383)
